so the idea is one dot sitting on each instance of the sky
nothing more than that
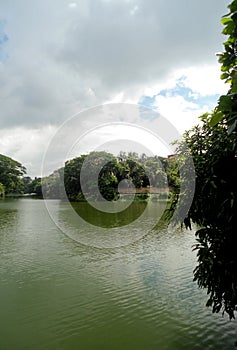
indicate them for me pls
(60, 59)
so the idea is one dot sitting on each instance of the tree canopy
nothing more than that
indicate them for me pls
(213, 147)
(11, 173)
(142, 170)
(112, 170)
(227, 104)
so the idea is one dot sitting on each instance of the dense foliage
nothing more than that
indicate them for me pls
(2, 190)
(214, 210)
(227, 104)
(11, 173)
(143, 171)
(33, 186)
(52, 185)
(213, 147)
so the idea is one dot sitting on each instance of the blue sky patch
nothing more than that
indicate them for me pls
(208, 101)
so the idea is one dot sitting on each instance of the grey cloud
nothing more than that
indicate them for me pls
(121, 50)
(61, 56)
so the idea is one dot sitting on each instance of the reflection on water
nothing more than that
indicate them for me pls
(88, 226)
(7, 214)
(109, 220)
(58, 294)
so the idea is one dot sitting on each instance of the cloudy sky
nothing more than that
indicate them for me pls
(58, 58)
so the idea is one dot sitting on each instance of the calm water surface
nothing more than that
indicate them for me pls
(58, 294)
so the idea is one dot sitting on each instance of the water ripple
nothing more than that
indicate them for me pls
(58, 294)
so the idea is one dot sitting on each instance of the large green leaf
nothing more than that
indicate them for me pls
(225, 20)
(229, 29)
(224, 76)
(216, 118)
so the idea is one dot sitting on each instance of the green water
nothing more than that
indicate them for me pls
(56, 293)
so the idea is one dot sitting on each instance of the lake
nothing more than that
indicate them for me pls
(86, 290)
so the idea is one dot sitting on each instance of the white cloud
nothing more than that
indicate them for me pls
(27, 146)
(180, 112)
(203, 80)
(114, 138)
(203, 86)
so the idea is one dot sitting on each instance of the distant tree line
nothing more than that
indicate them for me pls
(142, 170)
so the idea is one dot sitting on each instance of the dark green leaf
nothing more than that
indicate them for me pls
(225, 103)
(216, 118)
(224, 76)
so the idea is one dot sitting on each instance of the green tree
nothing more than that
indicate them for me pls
(105, 165)
(72, 171)
(137, 173)
(213, 147)
(172, 172)
(155, 172)
(214, 210)
(227, 104)
(33, 186)
(2, 190)
(52, 185)
(11, 173)
(26, 182)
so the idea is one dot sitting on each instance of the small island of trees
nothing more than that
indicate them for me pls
(143, 171)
